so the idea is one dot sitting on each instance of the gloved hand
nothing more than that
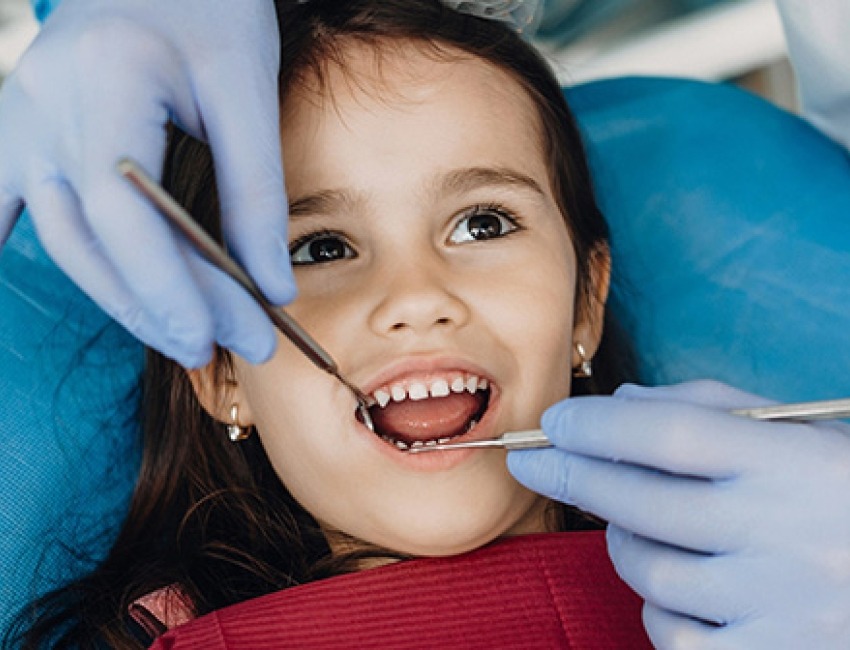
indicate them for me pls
(99, 83)
(735, 532)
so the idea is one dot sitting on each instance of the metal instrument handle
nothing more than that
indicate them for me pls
(535, 439)
(218, 257)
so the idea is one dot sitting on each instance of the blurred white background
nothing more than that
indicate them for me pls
(17, 28)
(720, 40)
(714, 40)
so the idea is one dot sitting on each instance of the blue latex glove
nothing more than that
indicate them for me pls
(735, 532)
(99, 83)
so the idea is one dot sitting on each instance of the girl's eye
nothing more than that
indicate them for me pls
(320, 248)
(482, 223)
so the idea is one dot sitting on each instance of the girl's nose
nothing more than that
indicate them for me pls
(416, 300)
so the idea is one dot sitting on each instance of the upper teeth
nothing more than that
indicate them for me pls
(423, 389)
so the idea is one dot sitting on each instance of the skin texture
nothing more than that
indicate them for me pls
(380, 155)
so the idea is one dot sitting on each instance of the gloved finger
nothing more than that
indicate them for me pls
(144, 252)
(10, 209)
(670, 631)
(76, 250)
(692, 584)
(135, 237)
(543, 471)
(148, 86)
(11, 201)
(240, 323)
(670, 436)
(245, 139)
(681, 511)
(127, 117)
(708, 393)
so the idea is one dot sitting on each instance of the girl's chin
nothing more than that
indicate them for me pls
(445, 540)
(382, 551)
(439, 548)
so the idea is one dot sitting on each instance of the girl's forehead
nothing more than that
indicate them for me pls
(402, 73)
(407, 115)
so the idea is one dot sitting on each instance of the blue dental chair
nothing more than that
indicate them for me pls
(731, 240)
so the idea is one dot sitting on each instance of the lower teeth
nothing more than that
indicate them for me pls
(405, 446)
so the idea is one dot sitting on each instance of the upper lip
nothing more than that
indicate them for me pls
(412, 368)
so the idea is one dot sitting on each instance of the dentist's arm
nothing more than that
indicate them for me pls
(100, 82)
(818, 34)
(735, 532)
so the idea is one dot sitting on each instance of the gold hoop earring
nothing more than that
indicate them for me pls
(584, 368)
(235, 431)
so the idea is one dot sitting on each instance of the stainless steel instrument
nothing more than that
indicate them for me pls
(536, 439)
(217, 256)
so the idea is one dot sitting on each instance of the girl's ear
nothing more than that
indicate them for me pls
(218, 391)
(590, 316)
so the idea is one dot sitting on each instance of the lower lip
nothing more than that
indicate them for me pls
(434, 461)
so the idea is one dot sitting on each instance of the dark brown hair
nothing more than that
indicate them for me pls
(213, 516)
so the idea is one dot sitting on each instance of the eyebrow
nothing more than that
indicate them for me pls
(324, 202)
(458, 181)
(468, 179)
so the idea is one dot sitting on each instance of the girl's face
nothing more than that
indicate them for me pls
(434, 266)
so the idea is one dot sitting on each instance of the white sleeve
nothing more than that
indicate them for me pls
(818, 33)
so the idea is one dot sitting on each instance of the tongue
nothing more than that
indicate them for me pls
(427, 419)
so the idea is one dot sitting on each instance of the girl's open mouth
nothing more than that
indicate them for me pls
(423, 412)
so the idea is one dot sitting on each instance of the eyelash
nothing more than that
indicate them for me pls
(317, 235)
(492, 208)
(497, 209)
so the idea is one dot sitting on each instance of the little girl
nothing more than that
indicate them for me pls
(449, 254)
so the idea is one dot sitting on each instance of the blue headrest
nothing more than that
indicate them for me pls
(730, 242)
(730, 235)
(68, 380)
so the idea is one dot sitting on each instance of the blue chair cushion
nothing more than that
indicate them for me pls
(69, 449)
(730, 228)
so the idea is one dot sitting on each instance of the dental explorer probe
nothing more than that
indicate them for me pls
(536, 439)
(217, 256)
